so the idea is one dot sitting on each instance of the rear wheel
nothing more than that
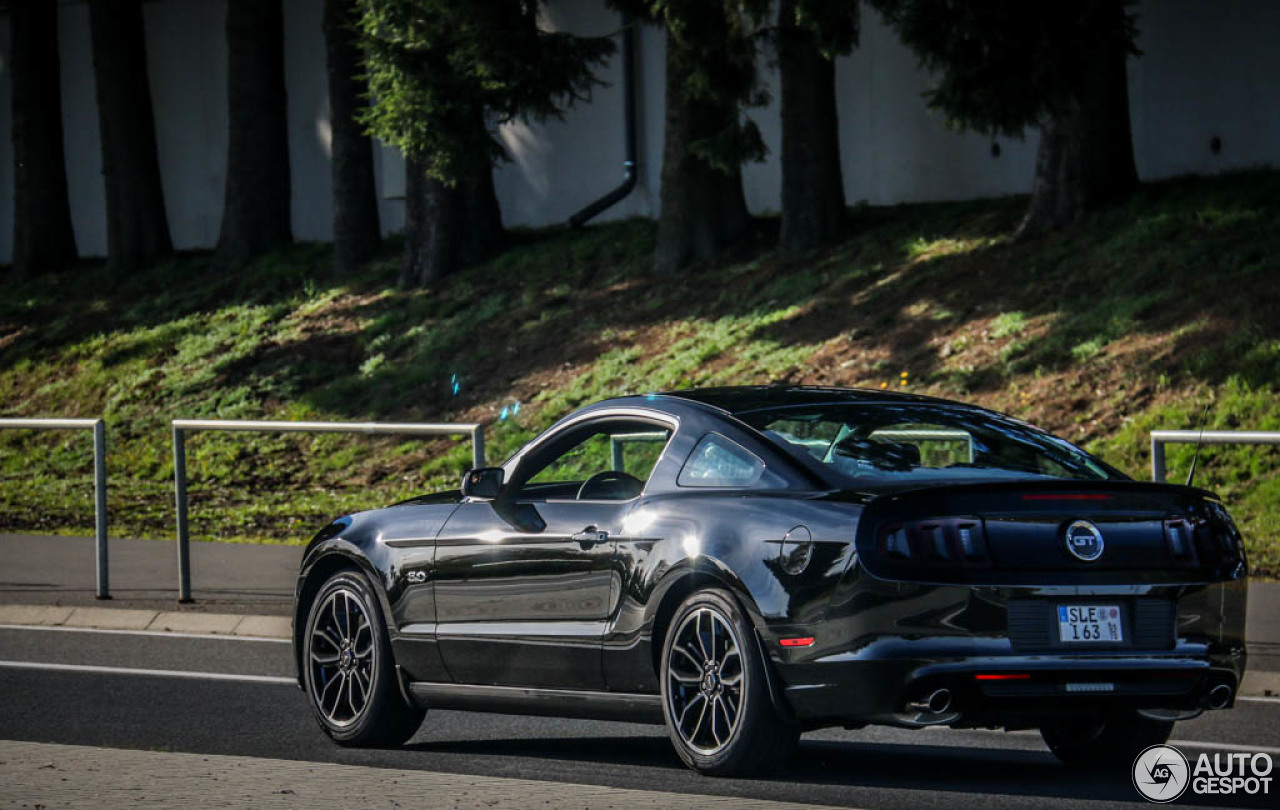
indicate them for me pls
(1112, 740)
(349, 673)
(715, 693)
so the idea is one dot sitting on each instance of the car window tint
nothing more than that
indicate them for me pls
(913, 441)
(720, 462)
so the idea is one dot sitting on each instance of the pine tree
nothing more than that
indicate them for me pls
(810, 35)
(711, 79)
(256, 214)
(43, 239)
(442, 75)
(357, 232)
(137, 225)
(1002, 67)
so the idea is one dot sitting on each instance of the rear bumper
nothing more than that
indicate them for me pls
(994, 685)
(882, 652)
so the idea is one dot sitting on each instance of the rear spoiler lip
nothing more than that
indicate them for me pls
(865, 496)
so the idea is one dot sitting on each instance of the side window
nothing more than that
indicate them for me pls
(610, 460)
(720, 462)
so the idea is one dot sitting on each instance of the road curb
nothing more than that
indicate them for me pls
(157, 621)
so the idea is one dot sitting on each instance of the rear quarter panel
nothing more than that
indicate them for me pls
(680, 541)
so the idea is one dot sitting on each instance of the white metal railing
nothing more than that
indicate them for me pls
(183, 426)
(99, 429)
(1159, 438)
(618, 442)
(927, 435)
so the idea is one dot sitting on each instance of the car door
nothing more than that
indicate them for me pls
(525, 585)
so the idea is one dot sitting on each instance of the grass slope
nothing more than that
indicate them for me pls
(1132, 321)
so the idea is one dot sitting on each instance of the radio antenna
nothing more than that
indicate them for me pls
(1196, 456)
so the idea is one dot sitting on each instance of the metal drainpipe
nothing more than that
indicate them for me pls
(629, 121)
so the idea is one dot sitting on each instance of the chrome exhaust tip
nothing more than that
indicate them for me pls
(1220, 696)
(936, 702)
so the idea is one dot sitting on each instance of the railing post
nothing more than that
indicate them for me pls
(616, 456)
(477, 446)
(100, 505)
(1157, 460)
(183, 426)
(180, 503)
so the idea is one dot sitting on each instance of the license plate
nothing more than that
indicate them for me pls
(1098, 624)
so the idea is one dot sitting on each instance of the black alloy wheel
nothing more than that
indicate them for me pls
(715, 691)
(349, 673)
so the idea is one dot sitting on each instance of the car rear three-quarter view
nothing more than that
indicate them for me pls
(745, 564)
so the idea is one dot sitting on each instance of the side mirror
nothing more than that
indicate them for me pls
(484, 483)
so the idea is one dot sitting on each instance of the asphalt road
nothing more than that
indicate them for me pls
(872, 768)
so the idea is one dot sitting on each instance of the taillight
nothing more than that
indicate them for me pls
(1179, 535)
(956, 541)
(1202, 541)
(1219, 535)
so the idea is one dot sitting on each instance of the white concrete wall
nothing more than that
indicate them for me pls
(79, 132)
(558, 167)
(1208, 69)
(187, 56)
(309, 139)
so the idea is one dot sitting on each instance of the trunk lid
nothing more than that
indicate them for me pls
(1048, 532)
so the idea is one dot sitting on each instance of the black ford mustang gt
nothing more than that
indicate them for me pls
(744, 564)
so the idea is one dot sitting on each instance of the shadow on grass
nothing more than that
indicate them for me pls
(1181, 276)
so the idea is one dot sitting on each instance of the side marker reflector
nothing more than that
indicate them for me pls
(807, 641)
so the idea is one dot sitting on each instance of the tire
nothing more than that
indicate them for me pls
(710, 663)
(348, 670)
(1109, 741)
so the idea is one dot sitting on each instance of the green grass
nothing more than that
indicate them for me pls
(1247, 477)
(1129, 322)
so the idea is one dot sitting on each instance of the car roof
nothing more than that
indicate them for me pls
(740, 399)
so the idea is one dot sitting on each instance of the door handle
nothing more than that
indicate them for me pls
(590, 536)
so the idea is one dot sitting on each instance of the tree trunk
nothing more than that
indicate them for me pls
(812, 183)
(256, 211)
(43, 239)
(703, 208)
(137, 226)
(446, 228)
(356, 231)
(1085, 156)
(481, 226)
(429, 214)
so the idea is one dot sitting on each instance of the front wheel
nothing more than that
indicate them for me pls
(715, 693)
(348, 670)
(1113, 740)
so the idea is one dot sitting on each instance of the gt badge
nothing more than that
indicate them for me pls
(1084, 541)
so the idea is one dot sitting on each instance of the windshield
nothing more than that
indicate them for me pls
(912, 442)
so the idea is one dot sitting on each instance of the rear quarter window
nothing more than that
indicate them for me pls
(720, 462)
